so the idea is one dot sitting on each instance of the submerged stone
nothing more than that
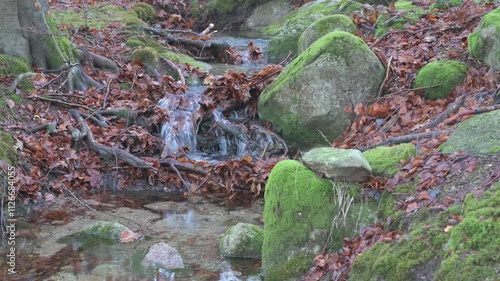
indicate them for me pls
(338, 164)
(106, 230)
(164, 256)
(243, 240)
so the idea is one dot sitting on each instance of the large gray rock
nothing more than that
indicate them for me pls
(479, 135)
(307, 101)
(338, 164)
(164, 256)
(243, 240)
(267, 13)
(484, 43)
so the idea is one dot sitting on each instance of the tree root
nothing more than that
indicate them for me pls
(105, 151)
(405, 139)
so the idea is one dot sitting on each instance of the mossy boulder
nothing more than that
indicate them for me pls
(480, 135)
(144, 12)
(266, 13)
(386, 161)
(106, 230)
(435, 251)
(301, 217)
(440, 78)
(13, 66)
(411, 14)
(306, 101)
(286, 32)
(324, 26)
(484, 43)
(243, 240)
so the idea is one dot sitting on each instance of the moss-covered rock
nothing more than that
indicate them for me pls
(467, 251)
(306, 101)
(324, 26)
(484, 43)
(98, 17)
(444, 4)
(144, 12)
(386, 161)
(243, 240)
(440, 78)
(148, 56)
(266, 13)
(479, 134)
(13, 66)
(286, 32)
(105, 230)
(301, 217)
(411, 14)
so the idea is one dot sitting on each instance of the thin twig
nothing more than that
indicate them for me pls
(387, 71)
(405, 139)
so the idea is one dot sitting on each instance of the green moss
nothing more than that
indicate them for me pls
(135, 43)
(339, 45)
(144, 12)
(291, 269)
(440, 78)
(445, 4)
(386, 161)
(97, 17)
(7, 151)
(484, 43)
(226, 6)
(68, 51)
(478, 135)
(105, 230)
(13, 66)
(286, 32)
(469, 251)
(411, 14)
(242, 241)
(301, 213)
(324, 26)
(147, 55)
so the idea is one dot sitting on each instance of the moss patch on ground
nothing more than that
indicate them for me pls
(97, 17)
(468, 251)
(440, 78)
(386, 161)
(7, 151)
(144, 12)
(12, 66)
(411, 14)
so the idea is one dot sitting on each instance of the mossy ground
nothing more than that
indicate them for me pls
(7, 151)
(12, 66)
(411, 13)
(144, 12)
(386, 161)
(468, 251)
(97, 17)
(440, 78)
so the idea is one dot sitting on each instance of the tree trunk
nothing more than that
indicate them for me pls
(26, 32)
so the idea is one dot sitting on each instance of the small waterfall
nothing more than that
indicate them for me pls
(180, 130)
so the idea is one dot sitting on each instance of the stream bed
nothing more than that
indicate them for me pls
(48, 250)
